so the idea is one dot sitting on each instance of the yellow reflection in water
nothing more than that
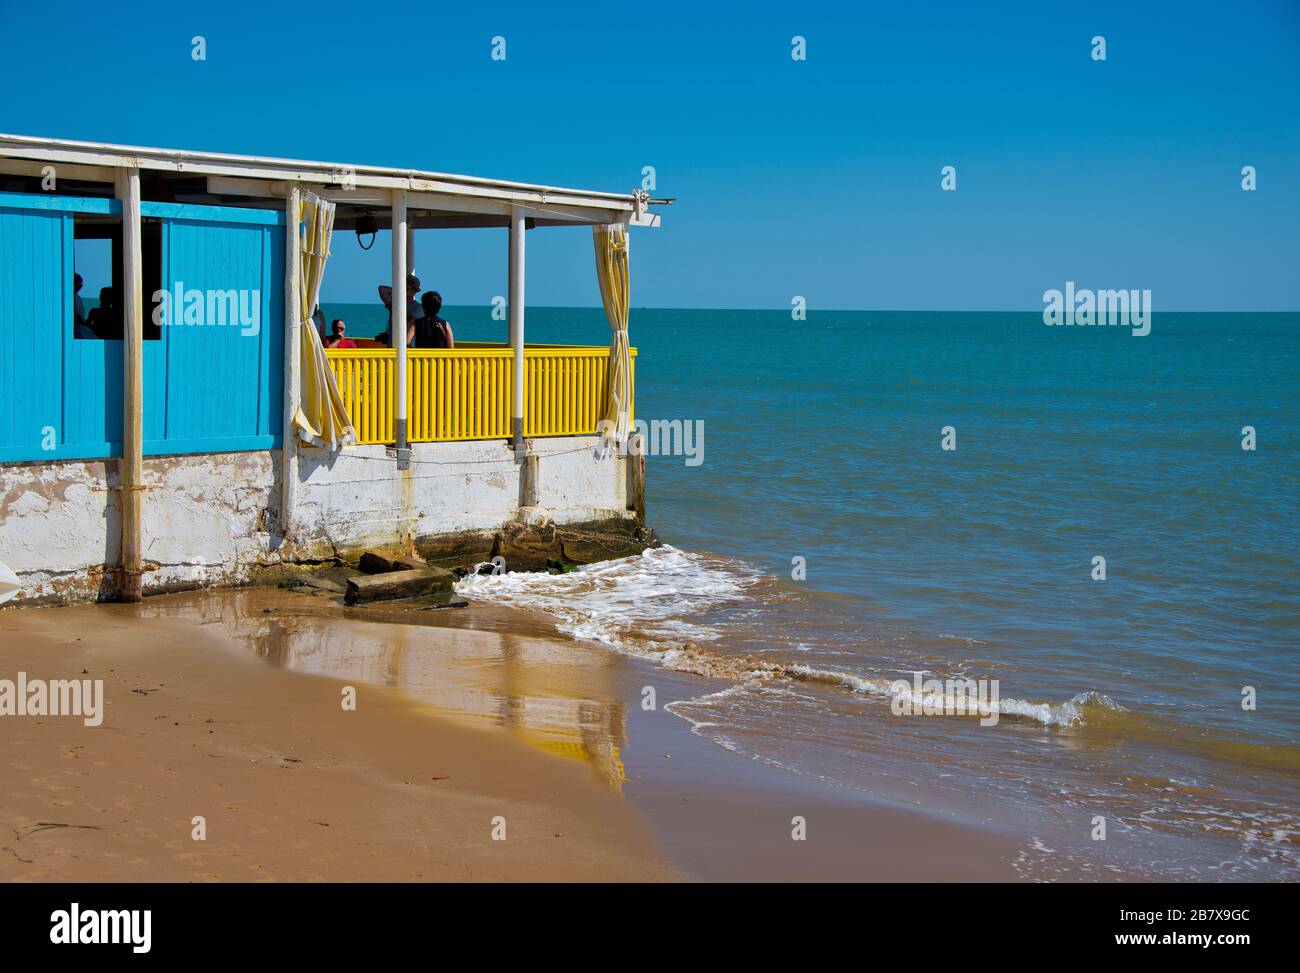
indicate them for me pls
(555, 696)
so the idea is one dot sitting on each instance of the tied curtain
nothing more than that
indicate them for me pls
(321, 417)
(612, 273)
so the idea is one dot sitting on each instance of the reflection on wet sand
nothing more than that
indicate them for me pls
(555, 696)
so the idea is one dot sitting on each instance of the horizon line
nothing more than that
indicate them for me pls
(868, 310)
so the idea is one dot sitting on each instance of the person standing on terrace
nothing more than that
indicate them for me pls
(413, 310)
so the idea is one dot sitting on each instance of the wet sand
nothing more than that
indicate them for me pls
(226, 704)
(724, 817)
(292, 787)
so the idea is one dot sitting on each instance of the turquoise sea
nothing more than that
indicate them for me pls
(1122, 699)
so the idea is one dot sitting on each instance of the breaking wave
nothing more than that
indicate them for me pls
(797, 664)
(670, 606)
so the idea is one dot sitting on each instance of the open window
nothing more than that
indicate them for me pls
(99, 276)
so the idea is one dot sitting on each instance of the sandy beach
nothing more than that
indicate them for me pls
(292, 787)
(226, 705)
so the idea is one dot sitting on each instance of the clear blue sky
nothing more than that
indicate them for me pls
(818, 178)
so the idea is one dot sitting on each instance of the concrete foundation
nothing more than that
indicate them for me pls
(215, 519)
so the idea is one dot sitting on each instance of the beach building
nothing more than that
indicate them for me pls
(196, 431)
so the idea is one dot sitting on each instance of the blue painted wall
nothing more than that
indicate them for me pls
(224, 381)
(33, 305)
(208, 387)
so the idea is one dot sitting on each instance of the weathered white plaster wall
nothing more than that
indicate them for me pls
(59, 524)
(358, 496)
(215, 519)
(575, 485)
(207, 518)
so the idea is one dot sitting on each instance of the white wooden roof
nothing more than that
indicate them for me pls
(436, 198)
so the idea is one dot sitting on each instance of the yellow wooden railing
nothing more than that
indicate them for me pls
(465, 393)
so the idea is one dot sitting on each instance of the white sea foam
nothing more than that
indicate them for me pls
(1067, 714)
(641, 602)
(649, 605)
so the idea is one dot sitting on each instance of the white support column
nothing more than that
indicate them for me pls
(410, 248)
(517, 320)
(132, 471)
(398, 333)
(292, 358)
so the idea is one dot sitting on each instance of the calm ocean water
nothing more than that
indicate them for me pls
(1122, 698)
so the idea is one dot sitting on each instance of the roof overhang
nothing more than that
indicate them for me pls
(433, 198)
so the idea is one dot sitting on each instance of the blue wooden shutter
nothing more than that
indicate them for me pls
(32, 298)
(223, 383)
